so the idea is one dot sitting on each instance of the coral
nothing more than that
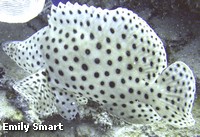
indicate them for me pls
(103, 120)
(7, 111)
(1, 72)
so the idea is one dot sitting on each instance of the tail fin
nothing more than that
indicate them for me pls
(176, 87)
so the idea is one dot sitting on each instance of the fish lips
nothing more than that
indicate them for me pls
(7, 47)
(4, 45)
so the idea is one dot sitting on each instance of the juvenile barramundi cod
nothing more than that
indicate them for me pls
(112, 57)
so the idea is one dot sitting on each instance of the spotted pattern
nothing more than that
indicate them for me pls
(81, 100)
(66, 103)
(27, 54)
(112, 57)
(177, 100)
(101, 67)
(37, 92)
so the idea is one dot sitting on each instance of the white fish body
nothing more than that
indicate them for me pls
(112, 57)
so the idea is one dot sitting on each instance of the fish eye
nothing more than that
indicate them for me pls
(12, 49)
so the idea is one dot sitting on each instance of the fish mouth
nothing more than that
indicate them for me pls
(9, 46)
(4, 45)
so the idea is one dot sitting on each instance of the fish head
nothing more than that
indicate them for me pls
(10, 48)
(27, 54)
(18, 51)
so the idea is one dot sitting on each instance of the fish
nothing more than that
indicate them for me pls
(112, 57)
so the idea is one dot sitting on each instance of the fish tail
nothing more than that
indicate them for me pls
(176, 93)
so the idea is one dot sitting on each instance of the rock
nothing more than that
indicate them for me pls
(194, 5)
